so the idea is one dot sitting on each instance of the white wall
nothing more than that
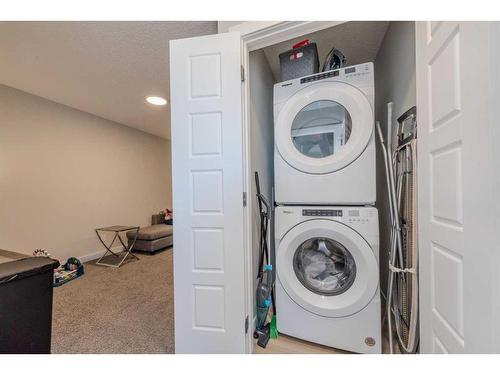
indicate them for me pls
(64, 172)
(394, 81)
(261, 139)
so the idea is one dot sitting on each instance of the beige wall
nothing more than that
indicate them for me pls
(64, 172)
(394, 82)
(223, 26)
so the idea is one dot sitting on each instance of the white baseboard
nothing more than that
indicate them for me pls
(97, 255)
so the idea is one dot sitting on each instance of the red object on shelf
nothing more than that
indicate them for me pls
(302, 43)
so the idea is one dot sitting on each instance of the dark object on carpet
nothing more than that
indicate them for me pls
(25, 303)
(117, 310)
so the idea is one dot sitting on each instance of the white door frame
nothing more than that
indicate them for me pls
(254, 36)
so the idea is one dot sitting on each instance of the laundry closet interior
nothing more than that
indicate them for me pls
(359, 221)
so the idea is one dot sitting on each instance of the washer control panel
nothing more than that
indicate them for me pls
(363, 219)
(322, 212)
(357, 216)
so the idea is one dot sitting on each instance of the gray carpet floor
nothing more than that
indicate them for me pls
(124, 310)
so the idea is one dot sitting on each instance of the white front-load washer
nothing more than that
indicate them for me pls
(324, 138)
(327, 285)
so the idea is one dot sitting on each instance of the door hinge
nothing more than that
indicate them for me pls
(246, 324)
(244, 199)
(242, 74)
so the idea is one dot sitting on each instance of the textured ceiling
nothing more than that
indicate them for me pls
(104, 68)
(358, 41)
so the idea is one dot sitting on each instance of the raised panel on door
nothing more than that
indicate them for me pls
(207, 154)
(456, 238)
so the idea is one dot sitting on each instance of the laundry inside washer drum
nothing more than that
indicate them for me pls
(324, 266)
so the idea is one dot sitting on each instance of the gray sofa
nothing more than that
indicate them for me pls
(153, 238)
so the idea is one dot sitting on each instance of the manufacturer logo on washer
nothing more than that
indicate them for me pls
(370, 341)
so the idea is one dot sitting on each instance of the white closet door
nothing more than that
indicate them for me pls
(207, 154)
(457, 192)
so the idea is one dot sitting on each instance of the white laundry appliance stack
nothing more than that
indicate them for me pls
(326, 228)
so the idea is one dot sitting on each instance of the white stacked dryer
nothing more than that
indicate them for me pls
(325, 139)
(326, 232)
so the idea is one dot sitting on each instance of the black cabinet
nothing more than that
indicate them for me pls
(25, 303)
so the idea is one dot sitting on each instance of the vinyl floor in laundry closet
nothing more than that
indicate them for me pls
(290, 345)
(117, 310)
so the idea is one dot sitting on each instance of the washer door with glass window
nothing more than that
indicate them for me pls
(324, 127)
(327, 268)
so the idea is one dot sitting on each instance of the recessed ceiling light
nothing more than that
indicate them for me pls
(156, 100)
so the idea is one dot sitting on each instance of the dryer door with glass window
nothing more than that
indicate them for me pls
(324, 127)
(327, 268)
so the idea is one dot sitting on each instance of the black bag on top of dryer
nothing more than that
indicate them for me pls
(301, 60)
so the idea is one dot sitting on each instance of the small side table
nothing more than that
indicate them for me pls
(117, 229)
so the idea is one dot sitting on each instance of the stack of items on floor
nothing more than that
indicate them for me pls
(66, 272)
(157, 236)
(326, 225)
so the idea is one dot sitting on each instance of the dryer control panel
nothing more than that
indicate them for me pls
(317, 77)
(360, 76)
(347, 73)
